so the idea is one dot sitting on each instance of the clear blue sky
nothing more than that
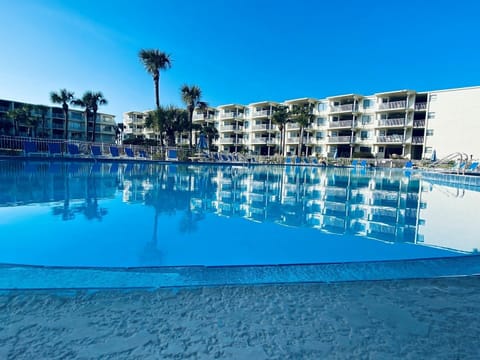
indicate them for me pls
(236, 51)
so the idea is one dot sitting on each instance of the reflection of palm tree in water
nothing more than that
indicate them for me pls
(91, 210)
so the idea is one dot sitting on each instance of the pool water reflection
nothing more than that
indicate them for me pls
(79, 214)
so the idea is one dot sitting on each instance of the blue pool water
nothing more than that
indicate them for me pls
(78, 214)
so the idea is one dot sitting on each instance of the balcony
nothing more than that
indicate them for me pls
(401, 104)
(230, 128)
(231, 115)
(339, 139)
(341, 124)
(342, 108)
(262, 127)
(391, 122)
(261, 113)
(397, 139)
(418, 139)
(421, 106)
(418, 123)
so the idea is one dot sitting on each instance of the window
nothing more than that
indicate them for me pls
(320, 121)
(431, 115)
(320, 135)
(322, 107)
(318, 149)
(366, 119)
(245, 125)
(429, 132)
(433, 97)
(381, 149)
(367, 103)
(365, 149)
(363, 135)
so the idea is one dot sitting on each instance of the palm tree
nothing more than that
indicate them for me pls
(303, 116)
(156, 120)
(154, 61)
(43, 110)
(63, 97)
(91, 100)
(191, 97)
(96, 99)
(281, 117)
(211, 133)
(22, 116)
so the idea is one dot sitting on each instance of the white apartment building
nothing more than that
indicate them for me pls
(404, 123)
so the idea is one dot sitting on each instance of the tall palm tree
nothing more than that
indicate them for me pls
(63, 97)
(191, 97)
(303, 116)
(211, 133)
(281, 118)
(91, 100)
(96, 99)
(154, 61)
(43, 110)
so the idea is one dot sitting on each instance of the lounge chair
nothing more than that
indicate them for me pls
(314, 161)
(73, 149)
(54, 149)
(114, 151)
(363, 163)
(354, 162)
(96, 150)
(288, 160)
(30, 148)
(298, 160)
(129, 152)
(142, 154)
(172, 155)
(408, 165)
(473, 166)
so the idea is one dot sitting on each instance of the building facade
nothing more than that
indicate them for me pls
(404, 123)
(49, 122)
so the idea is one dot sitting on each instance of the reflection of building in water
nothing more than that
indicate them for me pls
(24, 183)
(381, 204)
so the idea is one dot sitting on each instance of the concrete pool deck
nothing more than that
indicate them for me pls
(396, 319)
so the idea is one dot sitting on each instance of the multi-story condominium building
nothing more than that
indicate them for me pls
(407, 123)
(49, 122)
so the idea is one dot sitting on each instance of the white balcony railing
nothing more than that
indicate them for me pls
(418, 123)
(392, 122)
(339, 139)
(421, 106)
(261, 113)
(417, 140)
(393, 105)
(262, 127)
(341, 123)
(342, 108)
(390, 139)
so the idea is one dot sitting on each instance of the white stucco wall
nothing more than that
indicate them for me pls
(455, 121)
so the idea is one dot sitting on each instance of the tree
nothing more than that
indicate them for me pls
(23, 116)
(91, 101)
(156, 120)
(280, 117)
(65, 98)
(154, 61)
(303, 116)
(43, 110)
(191, 97)
(211, 133)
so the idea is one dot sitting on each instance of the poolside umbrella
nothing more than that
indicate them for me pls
(202, 142)
(434, 155)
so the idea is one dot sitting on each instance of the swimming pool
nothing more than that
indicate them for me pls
(181, 222)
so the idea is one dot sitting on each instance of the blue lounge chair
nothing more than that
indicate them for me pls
(96, 150)
(54, 149)
(142, 154)
(288, 160)
(408, 165)
(314, 161)
(73, 149)
(172, 155)
(473, 166)
(114, 151)
(30, 148)
(363, 163)
(297, 160)
(354, 162)
(129, 152)
(216, 157)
